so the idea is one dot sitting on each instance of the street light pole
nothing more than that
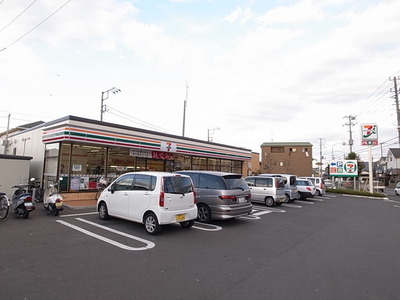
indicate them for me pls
(343, 143)
(104, 96)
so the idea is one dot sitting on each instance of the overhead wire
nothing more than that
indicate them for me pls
(21, 37)
(12, 21)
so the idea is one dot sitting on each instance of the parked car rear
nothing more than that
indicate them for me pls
(305, 188)
(290, 187)
(319, 184)
(151, 198)
(265, 189)
(220, 195)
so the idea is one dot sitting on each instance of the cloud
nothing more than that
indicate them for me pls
(242, 15)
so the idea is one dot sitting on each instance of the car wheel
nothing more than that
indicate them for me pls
(151, 224)
(287, 198)
(187, 224)
(396, 193)
(269, 201)
(103, 211)
(203, 213)
(318, 193)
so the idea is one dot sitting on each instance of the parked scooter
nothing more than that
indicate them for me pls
(52, 199)
(21, 201)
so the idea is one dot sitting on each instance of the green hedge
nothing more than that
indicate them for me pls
(353, 192)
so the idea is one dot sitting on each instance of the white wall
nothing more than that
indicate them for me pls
(13, 171)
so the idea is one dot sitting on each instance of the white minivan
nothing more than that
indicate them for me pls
(151, 198)
(266, 189)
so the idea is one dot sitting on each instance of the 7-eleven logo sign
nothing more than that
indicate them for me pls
(350, 167)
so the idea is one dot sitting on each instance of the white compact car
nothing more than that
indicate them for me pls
(151, 198)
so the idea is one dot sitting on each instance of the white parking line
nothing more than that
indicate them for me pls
(304, 202)
(250, 217)
(81, 214)
(317, 199)
(107, 240)
(213, 227)
(292, 205)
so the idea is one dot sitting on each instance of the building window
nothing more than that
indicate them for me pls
(277, 150)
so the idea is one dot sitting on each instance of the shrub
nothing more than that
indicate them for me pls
(353, 192)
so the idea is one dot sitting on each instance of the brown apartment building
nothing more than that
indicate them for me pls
(287, 158)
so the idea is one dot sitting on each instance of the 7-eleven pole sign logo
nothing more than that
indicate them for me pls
(369, 134)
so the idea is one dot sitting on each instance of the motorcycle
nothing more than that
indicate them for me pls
(52, 199)
(21, 201)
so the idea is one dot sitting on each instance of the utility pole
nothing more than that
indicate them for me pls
(350, 124)
(396, 97)
(320, 157)
(6, 140)
(184, 110)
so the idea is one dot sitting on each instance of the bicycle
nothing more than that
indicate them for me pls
(35, 190)
(4, 206)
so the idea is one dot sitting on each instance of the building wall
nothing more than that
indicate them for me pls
(14, 170)
(29, 143)
(287, 158)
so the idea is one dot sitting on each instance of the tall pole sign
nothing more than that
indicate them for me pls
(369, 137)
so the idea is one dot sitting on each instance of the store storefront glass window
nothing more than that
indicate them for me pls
(65, 166)
(155, 165)
(237, 166)
(120, 161)
(199, 163)
(182, 162)
(226, 165)
(214, 164)
(86, 166)
(51, 156)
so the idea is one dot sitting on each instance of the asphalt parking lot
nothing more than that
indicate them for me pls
(332, 247)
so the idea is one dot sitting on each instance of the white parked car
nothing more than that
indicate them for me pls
(319, 184)
(397, 189)
(151, 198)
(305, 188)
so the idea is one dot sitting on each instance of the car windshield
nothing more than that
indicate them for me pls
(235, 182)
(177, 185)
(303, 182)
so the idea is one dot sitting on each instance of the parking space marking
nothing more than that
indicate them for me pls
(81, 214)
(148, 246)
(213, 227)
(250, 217)
(291, 205)
(318, 199)
(396, 206)
(304, 202)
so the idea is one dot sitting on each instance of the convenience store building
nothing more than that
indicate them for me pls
(81, 151)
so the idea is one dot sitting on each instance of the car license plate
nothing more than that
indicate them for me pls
(241, 200)
(180, 218)
(58, 204)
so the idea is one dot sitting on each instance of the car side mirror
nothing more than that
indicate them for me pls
(111, 189)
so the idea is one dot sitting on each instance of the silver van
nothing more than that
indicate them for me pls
(291, 191)
(266, 189)
(220, 195)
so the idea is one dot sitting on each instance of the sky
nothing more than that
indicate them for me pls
(250, 71)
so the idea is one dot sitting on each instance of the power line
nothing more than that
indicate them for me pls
(12, 21)
(62, 6)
